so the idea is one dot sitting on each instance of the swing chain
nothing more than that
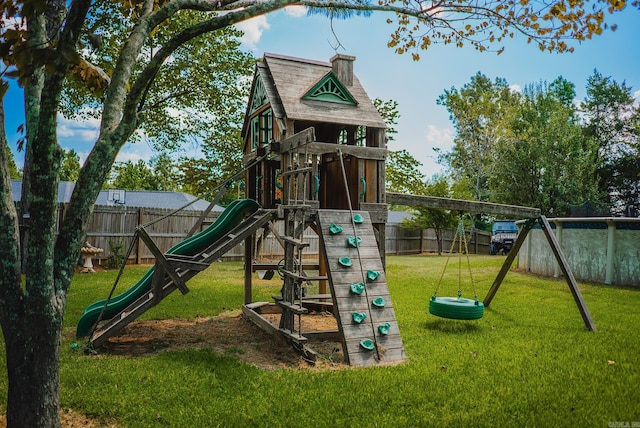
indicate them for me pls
(461, 240)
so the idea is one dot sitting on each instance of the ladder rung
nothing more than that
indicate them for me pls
(297, 276)
(295, 207)
(297, 242)
(293, 275)
(295, 336)
(296, 309)
(317, 296)
(304, 170)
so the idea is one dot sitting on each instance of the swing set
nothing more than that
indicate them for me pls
(469, 309)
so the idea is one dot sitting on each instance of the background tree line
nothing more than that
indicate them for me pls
(542, 148)
(538, 148)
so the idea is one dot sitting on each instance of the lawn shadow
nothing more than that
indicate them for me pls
(501, 315)
(452, 326)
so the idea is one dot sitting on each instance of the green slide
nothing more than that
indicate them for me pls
(230, 217)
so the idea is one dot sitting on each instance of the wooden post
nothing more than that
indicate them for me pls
(139, 243)
(248, 260)
(475, 239)
(322, 266)
(564, 266)
(162, 262)
(508, 261)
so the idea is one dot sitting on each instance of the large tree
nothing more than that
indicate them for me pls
(612, 121)
(42, 42)
(70, 168)
(159, 174)
(544, 160)
(480, 112)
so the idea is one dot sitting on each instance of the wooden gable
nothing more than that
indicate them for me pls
(330, 89)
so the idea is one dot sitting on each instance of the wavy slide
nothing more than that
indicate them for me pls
(230, 218)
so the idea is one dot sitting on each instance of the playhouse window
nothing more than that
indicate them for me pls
(361, 136)
(343, 137)
(261, 129)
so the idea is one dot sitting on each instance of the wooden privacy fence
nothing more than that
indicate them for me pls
(113, 228)
(401, 241)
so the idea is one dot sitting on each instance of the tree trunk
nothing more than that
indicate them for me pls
(33, 367)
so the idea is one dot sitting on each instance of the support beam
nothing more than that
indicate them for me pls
(562, 261)
(566, 271)
(508, 261)
(462, 205)
(162, 262)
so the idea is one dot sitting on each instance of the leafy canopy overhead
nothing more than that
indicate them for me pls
(483, 24)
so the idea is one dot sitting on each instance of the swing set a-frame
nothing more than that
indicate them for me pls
(533, 216)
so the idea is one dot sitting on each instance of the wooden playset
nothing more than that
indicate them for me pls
(314, 162)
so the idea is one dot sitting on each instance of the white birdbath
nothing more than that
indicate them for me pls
(89, 251)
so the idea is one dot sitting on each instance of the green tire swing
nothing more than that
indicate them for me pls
(458, 308)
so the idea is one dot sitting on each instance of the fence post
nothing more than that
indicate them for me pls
(475, 239)
(139, 244)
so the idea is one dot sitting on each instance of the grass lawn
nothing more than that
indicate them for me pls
(528, 362)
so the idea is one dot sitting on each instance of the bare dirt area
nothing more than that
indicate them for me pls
(231, 334)
(70, 419)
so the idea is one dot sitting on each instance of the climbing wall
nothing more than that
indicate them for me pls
(363, 307)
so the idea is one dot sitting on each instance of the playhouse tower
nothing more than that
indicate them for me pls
(314, 149)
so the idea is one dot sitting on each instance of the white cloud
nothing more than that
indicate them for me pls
(253, 29)
(516, 88)
(435, 138)
(126, 155)
(439, 138)
(636, 95)
(79, 131)
(296, 11)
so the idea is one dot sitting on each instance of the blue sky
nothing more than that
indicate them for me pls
(423, 124)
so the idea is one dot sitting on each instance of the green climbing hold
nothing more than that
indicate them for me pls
(372, 275)
(335, 229)
(357, 218)
(379, 302)
(368, 344)
(358, 317)
(345, 261)
(354, 241)
(384, 328)
(356, 288)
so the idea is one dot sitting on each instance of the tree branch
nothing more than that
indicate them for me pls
(10, 292)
